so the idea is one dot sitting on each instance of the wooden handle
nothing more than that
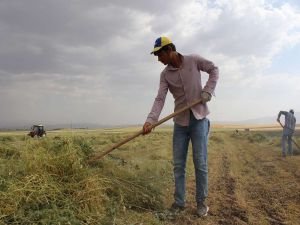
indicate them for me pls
(99, 156)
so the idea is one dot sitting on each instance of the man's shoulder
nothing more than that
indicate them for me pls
(164, 71)
(191, 56)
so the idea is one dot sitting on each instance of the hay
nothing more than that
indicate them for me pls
(49, 182)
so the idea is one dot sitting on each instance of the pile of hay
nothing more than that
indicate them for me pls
(48, 182)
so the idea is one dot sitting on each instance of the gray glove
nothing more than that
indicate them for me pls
(205, 96)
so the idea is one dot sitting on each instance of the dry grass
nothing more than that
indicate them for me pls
(47, 181)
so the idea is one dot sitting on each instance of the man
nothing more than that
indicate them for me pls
(288, 130)
(183, 78)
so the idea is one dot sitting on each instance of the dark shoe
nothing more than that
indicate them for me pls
(202, 209)
(171, 213)
(176, 208)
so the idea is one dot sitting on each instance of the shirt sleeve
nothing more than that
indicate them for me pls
(213, 72)
(159, 101)
(281, 113)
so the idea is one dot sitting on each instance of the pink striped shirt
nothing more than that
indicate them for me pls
(185, 85)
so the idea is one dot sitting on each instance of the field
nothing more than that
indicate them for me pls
(48, 180)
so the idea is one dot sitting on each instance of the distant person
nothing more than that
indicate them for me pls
(288, 130)
(182, 77)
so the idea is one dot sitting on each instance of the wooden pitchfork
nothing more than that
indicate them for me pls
(100, 155)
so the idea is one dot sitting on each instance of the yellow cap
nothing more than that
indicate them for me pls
(161, 42)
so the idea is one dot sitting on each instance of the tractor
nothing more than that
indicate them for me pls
(37, 130)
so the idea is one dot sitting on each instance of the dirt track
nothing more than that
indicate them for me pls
(249, 182)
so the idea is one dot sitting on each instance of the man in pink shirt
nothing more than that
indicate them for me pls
(182, 76)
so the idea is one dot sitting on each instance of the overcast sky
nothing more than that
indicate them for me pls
(89, 61)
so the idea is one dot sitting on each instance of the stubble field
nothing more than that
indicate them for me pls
(48, 180)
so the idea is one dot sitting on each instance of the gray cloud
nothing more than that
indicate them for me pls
(89, 60)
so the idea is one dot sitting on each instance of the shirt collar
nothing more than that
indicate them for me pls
(170, 67)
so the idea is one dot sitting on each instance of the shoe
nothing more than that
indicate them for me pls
(202, 209)
(170, 213)
(176, 208)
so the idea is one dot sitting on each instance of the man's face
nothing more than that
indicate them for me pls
(163, 57)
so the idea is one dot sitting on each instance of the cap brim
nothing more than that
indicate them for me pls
(156, 49)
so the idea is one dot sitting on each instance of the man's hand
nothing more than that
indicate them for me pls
(205, 96)
(147, 128)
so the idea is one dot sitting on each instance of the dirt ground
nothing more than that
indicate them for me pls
(249, 182)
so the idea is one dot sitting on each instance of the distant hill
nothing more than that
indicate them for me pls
(52, 126)
(262, 120)
(49, 126)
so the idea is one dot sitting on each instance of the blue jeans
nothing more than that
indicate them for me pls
(197, 131)
(287, 136)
